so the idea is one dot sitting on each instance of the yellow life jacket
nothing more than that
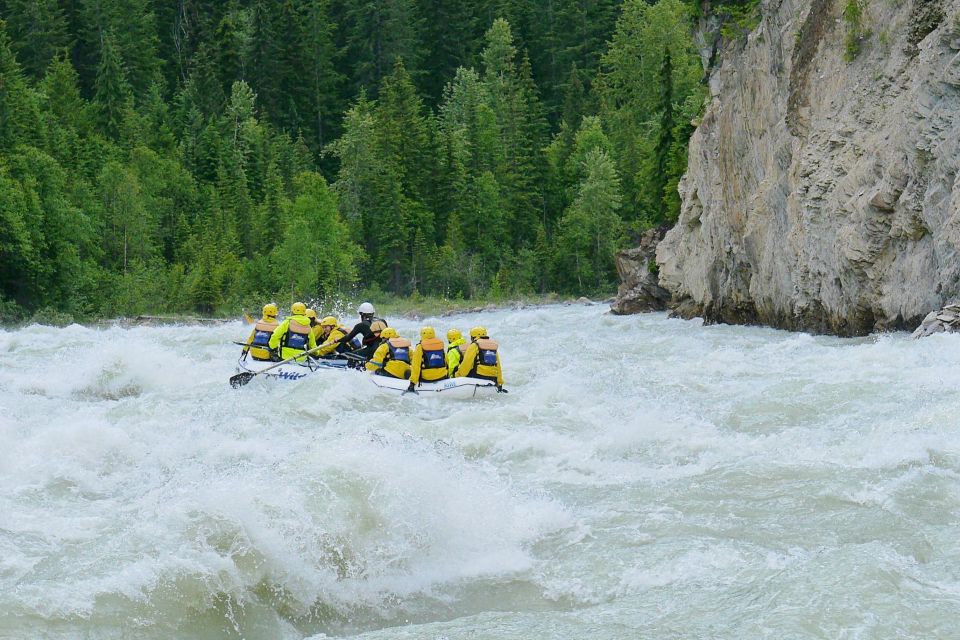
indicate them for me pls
(297, 336)
(396, 361)
(399, 349)
(433, 364)
(261, 338)
(485, 365)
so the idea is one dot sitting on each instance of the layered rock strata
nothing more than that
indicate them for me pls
(822, 191)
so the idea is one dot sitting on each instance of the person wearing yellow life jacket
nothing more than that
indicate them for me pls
(429, 362)
(259, 340)
(330, 334)
(294, 335)
(455, 350)
(481, 359)
(392, 357)
(314, 325)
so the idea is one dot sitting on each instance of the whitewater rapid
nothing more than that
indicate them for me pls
(644, 478)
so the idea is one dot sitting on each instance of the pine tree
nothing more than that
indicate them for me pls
(318, 55)
(38, 31)
(19, 115)
(451, 34)
(112, 96)
(628, 88)
(265, 71)
(379, 32)
(19, 258)
(656, 208)
(403, 132)
(131, 27)
(234, 42)
(591, 229)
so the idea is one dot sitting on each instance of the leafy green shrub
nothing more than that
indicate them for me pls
(739, 17)
(853, 13)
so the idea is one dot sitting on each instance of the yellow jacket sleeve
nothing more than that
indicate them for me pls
(468, 358)
(499, 371)
(332, 342)
(253, 334)
(376, 362)
(416, 363)
(278, 333)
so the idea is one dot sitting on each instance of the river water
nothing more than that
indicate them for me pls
(644, 478)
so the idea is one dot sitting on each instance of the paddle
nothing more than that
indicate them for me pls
(241, 379)
(353, 356)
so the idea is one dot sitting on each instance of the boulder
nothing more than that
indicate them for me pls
(947, 320)
(640, 289)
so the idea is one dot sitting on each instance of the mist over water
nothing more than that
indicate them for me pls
(644, 478)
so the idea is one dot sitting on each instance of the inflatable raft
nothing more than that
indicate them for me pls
(290, 370)
(451, 388)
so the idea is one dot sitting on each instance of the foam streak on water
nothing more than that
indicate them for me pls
(645, 477)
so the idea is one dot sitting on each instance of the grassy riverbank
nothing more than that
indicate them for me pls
(344, 307)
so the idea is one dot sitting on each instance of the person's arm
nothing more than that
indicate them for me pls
(358, 328)
(416, 362)
(499, 372)
(376, 362)
(467, 363)
(253, 334)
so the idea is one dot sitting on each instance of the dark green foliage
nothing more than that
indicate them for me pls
(649, 83)
(38, 31)
(112, 95)
(199, 154)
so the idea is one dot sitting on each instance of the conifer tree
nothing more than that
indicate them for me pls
(38, 31)
(322, 81)
(19, 116)
(403, 132)
(379, 32)
(628, 88)
(591, 229)
(112, 94)
(452, 31)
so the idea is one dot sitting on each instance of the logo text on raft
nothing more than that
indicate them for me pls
(289, 375)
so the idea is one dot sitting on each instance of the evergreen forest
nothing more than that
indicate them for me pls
(205, 155)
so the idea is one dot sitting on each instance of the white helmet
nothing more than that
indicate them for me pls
(366, 309)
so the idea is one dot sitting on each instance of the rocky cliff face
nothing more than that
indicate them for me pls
(822, 192)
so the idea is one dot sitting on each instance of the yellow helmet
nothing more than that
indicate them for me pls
(378, 326)
(329, 321)
(388, 332)
(310, 313)
(298, 309)
(427, 332)
(478, 332)
(454, 334)
(270, 310)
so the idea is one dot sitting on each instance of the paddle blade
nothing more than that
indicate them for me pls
(241, 379)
